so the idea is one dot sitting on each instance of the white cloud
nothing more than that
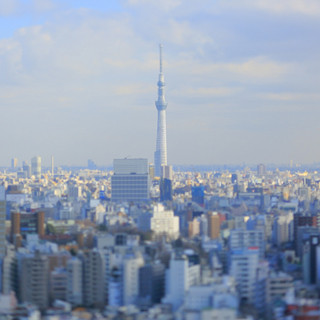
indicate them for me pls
(291, 96)
(254, 68)
(165, 5)
(21, 7)
(308, 7)
(259, 67)
(212, 92)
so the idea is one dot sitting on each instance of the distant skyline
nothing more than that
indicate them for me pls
(242, 80)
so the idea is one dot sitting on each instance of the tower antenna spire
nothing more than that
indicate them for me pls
(160, 48)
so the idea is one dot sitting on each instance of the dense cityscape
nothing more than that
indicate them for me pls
(125, 244)
(144, 241)
(159, 160)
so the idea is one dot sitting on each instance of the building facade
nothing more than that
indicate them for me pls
(34, 280)
(130, 181)
(164, 222)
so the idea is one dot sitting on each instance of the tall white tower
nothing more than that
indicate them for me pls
(160, 156)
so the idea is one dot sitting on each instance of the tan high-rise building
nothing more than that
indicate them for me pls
(214, 225)
(167, 172)
(193, 228)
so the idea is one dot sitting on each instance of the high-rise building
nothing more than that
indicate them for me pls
(261, 169)
(2, 221)
(36, 167)
(93, 280)
(166, 183)
(193, 227)
(160, 155)
(131, 265)
(115, 297)
(164, 222)
(14, 163)
(23, 223)
(302, 219)
(91, 165)
(130, 181)
(165, 189)
(34, 280)
(52, 166)
(311, 259)
(152, 282)
(240, 239)
(74, 281)
(214, 225)
(282, 231)
(235, 178)
(26, 168)
(166, 172)
(243, 266)
(8, 266)
(58, 284)
(181, 275)
(151, 171)
(197, 193)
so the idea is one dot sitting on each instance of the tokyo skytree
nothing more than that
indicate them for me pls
(160, 155)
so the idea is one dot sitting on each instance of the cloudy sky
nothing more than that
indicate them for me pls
(78, 80)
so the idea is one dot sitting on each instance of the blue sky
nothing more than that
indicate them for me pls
(78, 80)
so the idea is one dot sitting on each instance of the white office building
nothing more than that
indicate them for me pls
(278, 284)
(164, 222)
(131, 265)
(240, 238)
(221, 292)
(181, 275)
(123, 284)
(243, 266)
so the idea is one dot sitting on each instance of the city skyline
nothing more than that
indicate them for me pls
(242, 80)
